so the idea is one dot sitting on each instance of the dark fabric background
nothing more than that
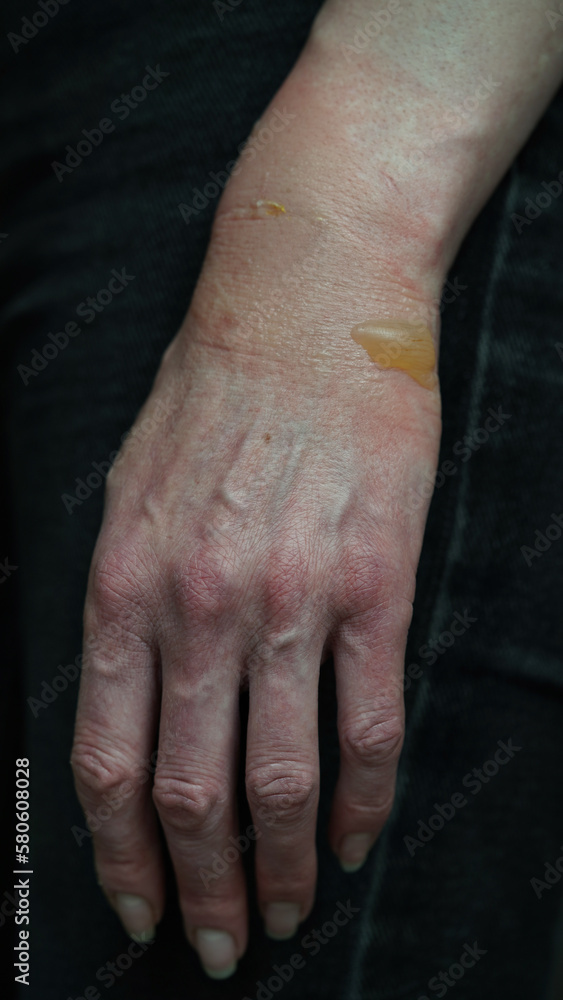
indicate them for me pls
(503, 679)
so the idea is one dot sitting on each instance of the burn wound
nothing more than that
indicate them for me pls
(259, 210)
(406, 346)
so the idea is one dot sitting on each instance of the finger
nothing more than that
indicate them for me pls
(194, 792)
(369, 662)
(282, 780)
(114, 739)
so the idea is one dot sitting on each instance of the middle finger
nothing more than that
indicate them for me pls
(282, 779)
(194, 792)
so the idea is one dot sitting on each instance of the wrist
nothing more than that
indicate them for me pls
(407, 136)
(356, 174)
(291, 290)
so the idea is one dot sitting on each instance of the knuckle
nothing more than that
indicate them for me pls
(97, 773)
(374, 578)
(285, 797)
(185, 806)
(287, 583)
(114, 586)
(206, 586)
(370, 741)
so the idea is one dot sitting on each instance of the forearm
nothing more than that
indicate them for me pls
(400, 138)
(451, 91)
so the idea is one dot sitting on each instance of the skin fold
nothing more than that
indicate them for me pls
(262, 517)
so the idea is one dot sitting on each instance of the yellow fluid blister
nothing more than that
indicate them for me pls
(407, 346)
(271, 207)
(258, 210)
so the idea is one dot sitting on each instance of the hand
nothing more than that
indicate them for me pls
(267, 508)
(259, 517)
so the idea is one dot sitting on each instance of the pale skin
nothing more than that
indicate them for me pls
(264, 519)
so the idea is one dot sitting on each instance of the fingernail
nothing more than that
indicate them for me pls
(282, 920)
(354, 850)
(217, 952)
(136, 916)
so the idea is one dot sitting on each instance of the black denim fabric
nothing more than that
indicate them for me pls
(502, 680)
